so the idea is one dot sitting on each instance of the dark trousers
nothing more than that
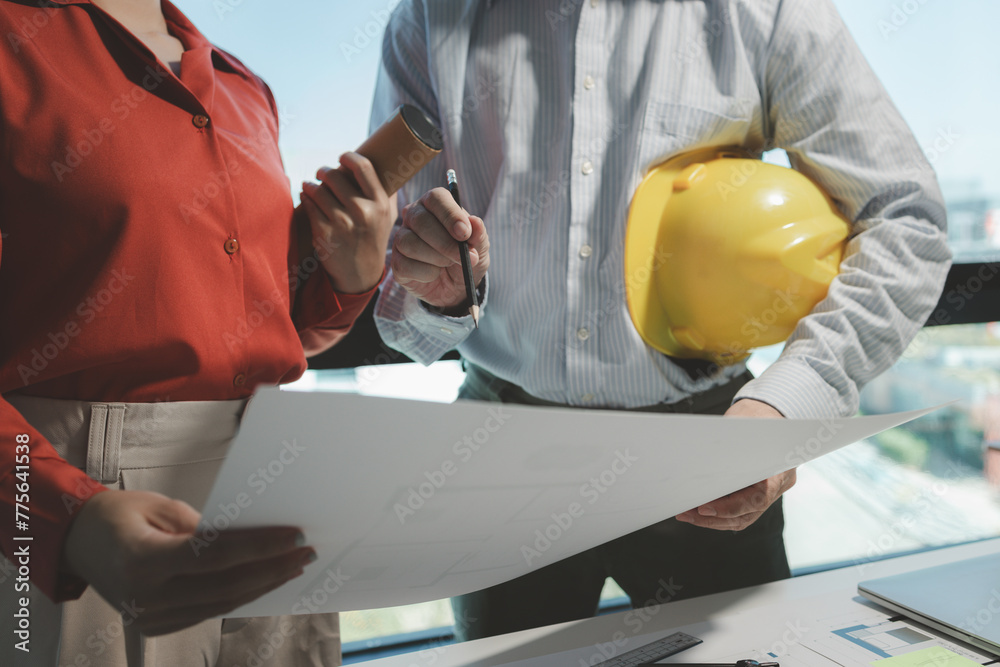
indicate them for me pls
(667, 561)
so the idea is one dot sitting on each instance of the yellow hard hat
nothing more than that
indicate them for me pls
(724, 253)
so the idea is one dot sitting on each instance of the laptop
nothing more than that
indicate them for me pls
(961, 599)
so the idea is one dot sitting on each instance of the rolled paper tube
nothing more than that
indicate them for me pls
(402, 146)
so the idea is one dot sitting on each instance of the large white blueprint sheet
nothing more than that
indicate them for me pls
(409, 501)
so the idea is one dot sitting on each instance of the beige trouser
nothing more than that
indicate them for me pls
(175, 449)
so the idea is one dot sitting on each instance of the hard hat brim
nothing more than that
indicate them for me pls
(642, 258)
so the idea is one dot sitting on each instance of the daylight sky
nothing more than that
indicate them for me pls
(940, 66)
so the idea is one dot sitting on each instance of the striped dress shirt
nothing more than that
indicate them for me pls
(552, 112)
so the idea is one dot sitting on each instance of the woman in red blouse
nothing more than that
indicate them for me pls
(150, 264)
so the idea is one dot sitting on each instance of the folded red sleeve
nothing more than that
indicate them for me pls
(40, 494)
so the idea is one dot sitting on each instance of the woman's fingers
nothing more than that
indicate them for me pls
(364, 175)
(167, 620)
(201, 588)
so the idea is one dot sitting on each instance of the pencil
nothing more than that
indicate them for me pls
(463, 251)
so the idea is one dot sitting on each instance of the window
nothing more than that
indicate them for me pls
(916, 486)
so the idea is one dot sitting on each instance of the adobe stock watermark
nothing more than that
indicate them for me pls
(482, 91)
(636, 620)
(615, 300)
(945, 138)
(591, 492)
(983, 619)
(556, 189)
(121, 108)
(889, 540)
(828, 428)
(101, 639)
(958, 297)
(315, 600)
(899, 16)
(252, 148)
(369, 33)
(739, 175)
(639, 616)
(430, 655)
(370, 370)
(697, 47)
(552, 191)
(30, 27)
(464, 450)
(754, 327)
(793, 634)
(86, 312)
(268, 647)
(225, 7)
(258, 481)
(256, 317)
(758, 325)
(566, 9)
(276, 302)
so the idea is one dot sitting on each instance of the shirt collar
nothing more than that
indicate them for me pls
(185, 31)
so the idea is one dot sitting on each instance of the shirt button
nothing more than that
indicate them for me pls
(239, 380)
(231, 246)
(587, 168)
(593, 3)
(582, 333)
(586, 251)
(588, 82)
(200, 121)
(587, 398)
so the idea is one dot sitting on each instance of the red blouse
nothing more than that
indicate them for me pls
(147, 248)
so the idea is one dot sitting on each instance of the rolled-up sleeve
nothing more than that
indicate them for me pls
(57, 492)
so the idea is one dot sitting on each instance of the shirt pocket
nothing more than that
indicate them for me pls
(670, 128)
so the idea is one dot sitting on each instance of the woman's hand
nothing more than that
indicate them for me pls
(351, 217)
(142, 549)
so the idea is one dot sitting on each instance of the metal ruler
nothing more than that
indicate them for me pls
(653, 651)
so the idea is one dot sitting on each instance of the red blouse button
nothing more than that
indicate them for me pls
(200, 121)
(231, 246)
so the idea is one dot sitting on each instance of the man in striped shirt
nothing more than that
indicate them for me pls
(552, 112)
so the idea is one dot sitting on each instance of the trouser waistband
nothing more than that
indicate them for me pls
(105, 438)
(714, 400)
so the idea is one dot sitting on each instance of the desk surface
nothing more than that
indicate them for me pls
(775, 613)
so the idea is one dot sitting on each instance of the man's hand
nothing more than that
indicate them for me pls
(135, 548)
(741, 508)
(351, 217)
(425, 255)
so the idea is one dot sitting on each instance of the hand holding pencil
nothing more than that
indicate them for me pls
(427, 256)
